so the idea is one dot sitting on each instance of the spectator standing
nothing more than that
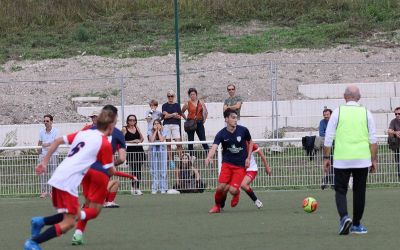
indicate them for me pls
(197, 110)
(355, 151)
(324, 122)
(136, 155)
(394, 131)
(234, 101)
(46, 137)
(328, 178)
(158, 158)
(152, 114)
(172, 114)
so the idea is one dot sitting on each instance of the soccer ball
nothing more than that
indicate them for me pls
(310, 204)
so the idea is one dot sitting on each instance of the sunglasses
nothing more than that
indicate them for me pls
(231, 89)
(170, 96)
(131, 120)
(46, 121)
(397, 113)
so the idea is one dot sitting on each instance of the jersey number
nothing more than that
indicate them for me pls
(76, 148)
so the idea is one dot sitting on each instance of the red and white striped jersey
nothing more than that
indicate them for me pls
(88, 148)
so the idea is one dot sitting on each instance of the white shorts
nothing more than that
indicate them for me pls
(172, 131)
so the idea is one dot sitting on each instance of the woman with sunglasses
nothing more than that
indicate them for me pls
(135, 154)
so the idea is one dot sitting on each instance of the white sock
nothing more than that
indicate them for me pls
(78, 231)
(83, 215)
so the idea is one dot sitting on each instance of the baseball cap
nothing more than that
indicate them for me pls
(94, 113)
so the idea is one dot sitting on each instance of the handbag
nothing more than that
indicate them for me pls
(394, 142)
(191, 124)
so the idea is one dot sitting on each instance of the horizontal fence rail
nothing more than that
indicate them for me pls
(292, 168)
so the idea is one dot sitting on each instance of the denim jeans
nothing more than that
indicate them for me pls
(201, 133)
(158, 167)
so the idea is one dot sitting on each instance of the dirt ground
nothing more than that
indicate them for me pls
(31, 89)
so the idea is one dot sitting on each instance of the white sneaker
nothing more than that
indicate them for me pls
(173, 191)
(110, 204)
(163, 192)
(258, 204)
(153, 192)
(138, 192)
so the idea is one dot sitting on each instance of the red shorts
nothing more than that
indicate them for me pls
(231, 175)
(252, 174)
(64, 202)
(94, 186)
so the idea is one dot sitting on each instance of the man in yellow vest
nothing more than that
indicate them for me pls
(353, 128)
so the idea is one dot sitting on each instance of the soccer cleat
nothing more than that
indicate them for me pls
(215, 209)
(77, 239)
(110, 204)
(36, 225)
(360, 229)
(258, 203)
(31, 245)
(345, 225)
(235, 200)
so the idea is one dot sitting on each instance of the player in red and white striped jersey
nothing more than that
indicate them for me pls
(87, 148)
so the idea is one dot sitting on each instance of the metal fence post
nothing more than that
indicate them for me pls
(121, 80)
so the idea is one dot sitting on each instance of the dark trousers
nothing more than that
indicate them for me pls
(201, 133)
(397, 159)
(135, 162)
(342, 177)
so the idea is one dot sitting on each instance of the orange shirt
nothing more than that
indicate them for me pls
(192, 110)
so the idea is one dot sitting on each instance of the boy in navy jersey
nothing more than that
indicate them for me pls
(236, 144)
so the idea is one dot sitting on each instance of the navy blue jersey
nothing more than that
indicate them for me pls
(234, 145)
(117, 142)
(117, 139)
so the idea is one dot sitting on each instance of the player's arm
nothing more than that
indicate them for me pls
(121, 157)
(264, 160)
(211, 154)
(41, 167)
(374, 150)
(250, 144)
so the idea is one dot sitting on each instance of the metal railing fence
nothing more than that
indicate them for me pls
(291, 167)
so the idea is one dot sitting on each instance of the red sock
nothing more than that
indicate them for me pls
(111, 196)
(91, 213)
(58, 229)
(81, 225)
(219, 197)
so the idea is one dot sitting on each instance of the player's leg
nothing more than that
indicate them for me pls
(68, 207)
(342, 177)
(360, 176)
(247, 180)
(112, 188)
(96, 193)
(235, 183)
(221, 190)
